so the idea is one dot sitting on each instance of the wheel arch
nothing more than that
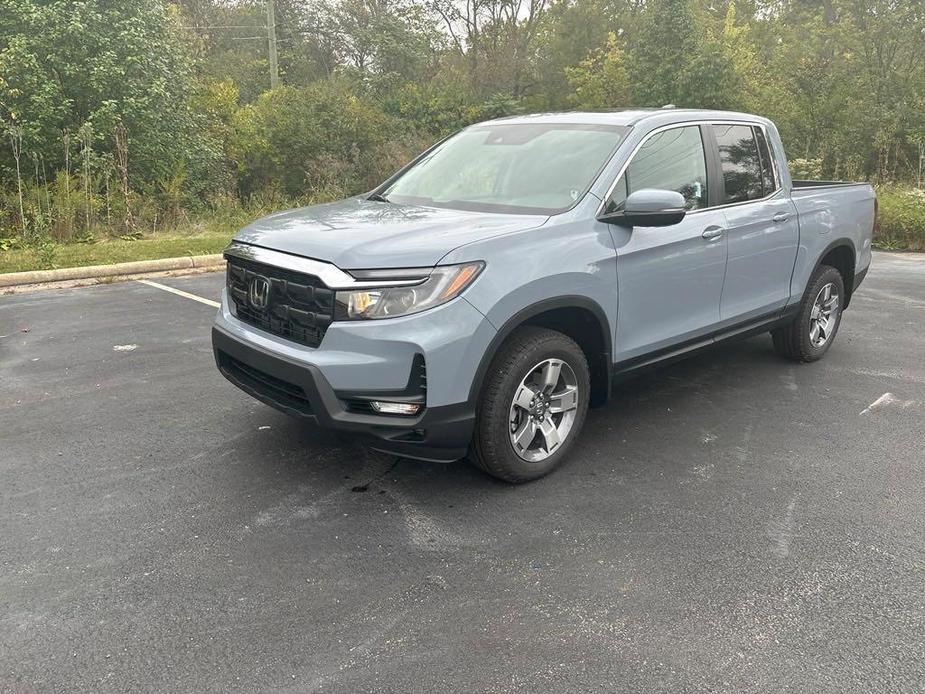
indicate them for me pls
(581, 318)
(842, 255)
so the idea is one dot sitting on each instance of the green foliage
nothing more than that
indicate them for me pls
(183, 242)
(902, 219)
(805, 169)
(601, 80)
(676, 60)
(320, 139)
(68, 64)
(431, 108)
(386, 41)
(757, 88)
(369, 84)
(45, 255)
(237, 54)
(569, 31)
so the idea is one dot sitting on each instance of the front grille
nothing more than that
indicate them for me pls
(274, 391)
(298, 307)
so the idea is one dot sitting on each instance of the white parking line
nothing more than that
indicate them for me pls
(180, 292)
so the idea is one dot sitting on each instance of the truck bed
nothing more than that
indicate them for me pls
(827, 211)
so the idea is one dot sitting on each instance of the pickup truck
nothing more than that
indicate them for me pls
(480, 300)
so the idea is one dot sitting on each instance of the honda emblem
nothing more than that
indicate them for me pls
(259, 293)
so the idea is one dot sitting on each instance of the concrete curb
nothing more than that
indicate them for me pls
(140, 267)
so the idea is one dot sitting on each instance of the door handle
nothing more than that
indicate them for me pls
(711, 233)
(780, 217)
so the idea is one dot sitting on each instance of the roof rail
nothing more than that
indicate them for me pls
(669, 106)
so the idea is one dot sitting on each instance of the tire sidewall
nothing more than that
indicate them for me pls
(494, 416)
(825, 275)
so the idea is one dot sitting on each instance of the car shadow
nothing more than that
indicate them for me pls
(346, 462)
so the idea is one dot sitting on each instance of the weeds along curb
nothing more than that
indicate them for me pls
(140, 267)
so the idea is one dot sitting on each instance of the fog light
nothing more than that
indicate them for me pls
(405, 408)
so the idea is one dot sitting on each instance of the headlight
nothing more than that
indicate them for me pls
(444, 283)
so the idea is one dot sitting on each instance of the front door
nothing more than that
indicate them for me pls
(669, 279)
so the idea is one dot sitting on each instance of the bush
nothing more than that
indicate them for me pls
(805, 169)
(902, 219)
(318, 138)
(432, 109)
(65, 66)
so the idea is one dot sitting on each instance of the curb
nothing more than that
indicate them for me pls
(140, 267)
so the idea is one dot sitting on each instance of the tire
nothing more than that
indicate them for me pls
(528, 356)
(800, 340)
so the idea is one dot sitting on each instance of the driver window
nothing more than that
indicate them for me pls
(669, 160)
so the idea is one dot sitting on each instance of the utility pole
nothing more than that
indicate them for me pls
(271, 36)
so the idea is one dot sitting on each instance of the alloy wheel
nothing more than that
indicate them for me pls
(543, 410)
(824, 315)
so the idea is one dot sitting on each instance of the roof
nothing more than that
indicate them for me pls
(630, 117)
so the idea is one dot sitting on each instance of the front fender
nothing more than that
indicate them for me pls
(530, 272)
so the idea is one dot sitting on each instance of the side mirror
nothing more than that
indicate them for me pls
(649, 207)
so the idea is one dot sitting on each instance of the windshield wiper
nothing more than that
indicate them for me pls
(375, 197)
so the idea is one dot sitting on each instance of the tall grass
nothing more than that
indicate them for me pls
(92, 201)
(902, 219)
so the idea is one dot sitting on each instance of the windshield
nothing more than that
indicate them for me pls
(526, 168)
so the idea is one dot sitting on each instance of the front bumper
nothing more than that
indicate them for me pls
(439, 434)
(364, 360)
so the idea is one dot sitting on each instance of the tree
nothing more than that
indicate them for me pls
(492, 39)
(383, 40)
(570, 30)
(675, 58)
(67, 64)
(299, 140)
(601, 80)
(369, 82)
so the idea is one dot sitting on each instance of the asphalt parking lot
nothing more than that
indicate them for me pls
(732, 523)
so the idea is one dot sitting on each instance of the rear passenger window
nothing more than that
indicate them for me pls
(741, 163)
(768, 184)
(669, 160)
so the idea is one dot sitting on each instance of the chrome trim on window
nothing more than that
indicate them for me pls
(331, 275)
(698, 123)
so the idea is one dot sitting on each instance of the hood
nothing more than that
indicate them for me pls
(359, 234)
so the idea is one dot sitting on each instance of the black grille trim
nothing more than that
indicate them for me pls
(299, 307)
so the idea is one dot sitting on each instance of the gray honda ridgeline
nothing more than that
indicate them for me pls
(485, 296)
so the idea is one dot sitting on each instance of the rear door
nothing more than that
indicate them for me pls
(761, 224)
(669, 279)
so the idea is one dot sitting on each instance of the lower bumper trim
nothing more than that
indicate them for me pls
(439, 434)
